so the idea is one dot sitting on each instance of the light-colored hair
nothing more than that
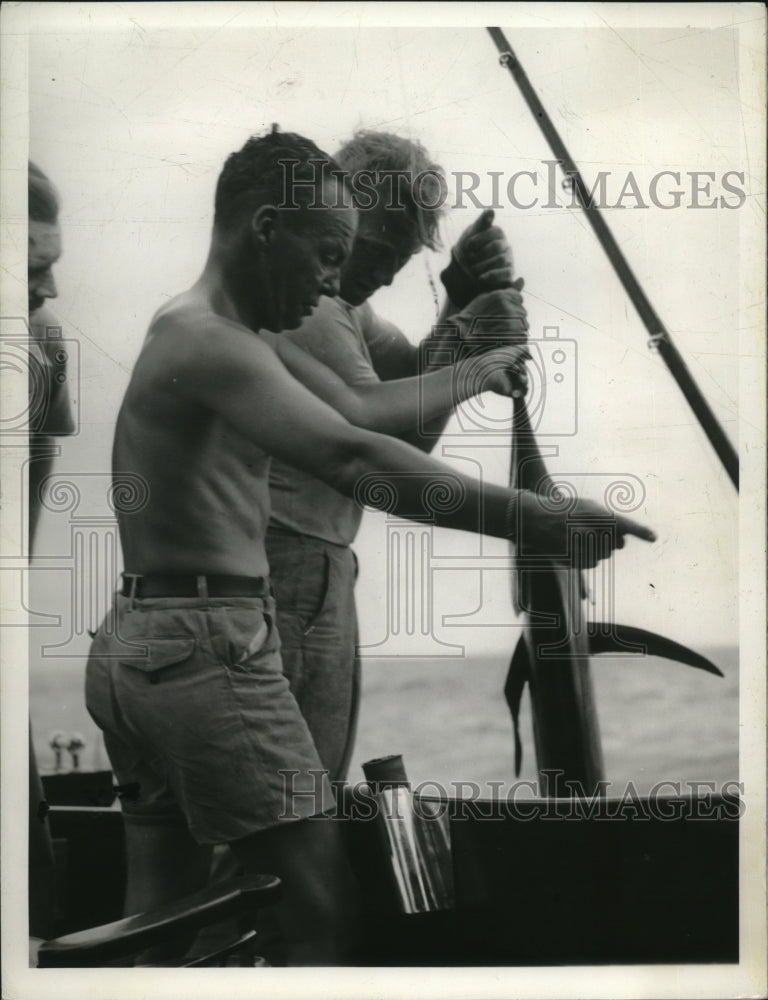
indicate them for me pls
(424, 183)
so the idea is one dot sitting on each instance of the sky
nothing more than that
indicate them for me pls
(133, 122)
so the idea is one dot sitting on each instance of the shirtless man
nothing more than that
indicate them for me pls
(184, 676)
(313, 568)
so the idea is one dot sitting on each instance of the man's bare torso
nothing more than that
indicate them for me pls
(207, 486)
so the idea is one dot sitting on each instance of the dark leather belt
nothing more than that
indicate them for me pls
(187, 585)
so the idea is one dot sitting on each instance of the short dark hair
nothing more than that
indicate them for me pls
(259, 173)
(43, 202)
(387, 153)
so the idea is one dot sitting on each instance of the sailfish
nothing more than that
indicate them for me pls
(556, 642)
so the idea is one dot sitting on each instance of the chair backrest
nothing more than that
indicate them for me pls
(236, 898)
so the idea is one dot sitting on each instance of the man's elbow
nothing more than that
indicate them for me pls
(351, 463)
(362, 415)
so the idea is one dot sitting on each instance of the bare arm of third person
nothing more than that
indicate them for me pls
(228, 370)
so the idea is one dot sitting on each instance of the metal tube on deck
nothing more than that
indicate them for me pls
(417, 841)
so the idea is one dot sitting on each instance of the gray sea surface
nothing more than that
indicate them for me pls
(659, 721)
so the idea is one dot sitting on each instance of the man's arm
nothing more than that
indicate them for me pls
(232, 373)
(394, 357)
(481, 262)
(401, 405)
(229, 371)
(490, 319)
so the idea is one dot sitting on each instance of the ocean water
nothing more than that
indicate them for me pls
(659, 721)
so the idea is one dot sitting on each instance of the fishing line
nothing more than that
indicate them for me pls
(433, 286)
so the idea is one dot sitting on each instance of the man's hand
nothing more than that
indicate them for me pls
(483, 251)
(494, 319)
(480, 261)
(573, 532)
(501, 370)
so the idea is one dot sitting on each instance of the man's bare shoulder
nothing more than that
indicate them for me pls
(192, 314)
(194, 355)
(188, 330)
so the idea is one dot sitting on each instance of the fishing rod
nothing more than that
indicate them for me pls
(660, 338)
(552, 655)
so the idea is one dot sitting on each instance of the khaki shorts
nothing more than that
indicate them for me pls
(195, 709)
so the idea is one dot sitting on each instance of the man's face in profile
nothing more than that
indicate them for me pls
(44, 249)
(386, 240)
(306, 261)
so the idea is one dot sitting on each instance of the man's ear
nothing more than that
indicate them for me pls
(263, 224)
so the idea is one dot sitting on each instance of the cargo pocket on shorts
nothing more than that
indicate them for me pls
(160, 654)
